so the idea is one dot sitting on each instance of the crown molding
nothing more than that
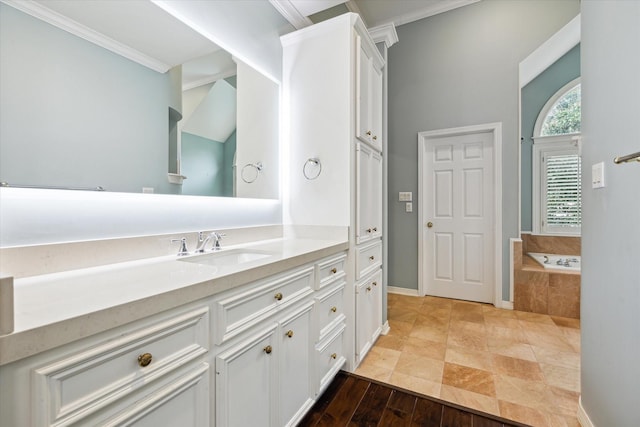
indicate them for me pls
(69, 25)
(384, 34)
(291, 13)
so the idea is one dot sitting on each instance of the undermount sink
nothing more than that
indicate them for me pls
(226, 258)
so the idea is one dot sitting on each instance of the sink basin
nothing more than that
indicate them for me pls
(226, 258)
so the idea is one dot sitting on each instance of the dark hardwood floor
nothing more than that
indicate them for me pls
(352, 401)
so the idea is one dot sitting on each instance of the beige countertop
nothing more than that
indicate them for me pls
(54, 309)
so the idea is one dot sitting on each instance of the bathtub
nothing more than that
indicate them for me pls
(557, 262)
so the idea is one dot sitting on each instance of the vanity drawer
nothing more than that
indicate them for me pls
(70, 389)
(242, 309)
(368, 258)
(330, 271)
(330, 309)
(330, 354)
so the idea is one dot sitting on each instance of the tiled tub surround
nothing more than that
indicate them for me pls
(60, 307)
(546, 291)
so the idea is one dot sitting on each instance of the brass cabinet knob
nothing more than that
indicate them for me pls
(368, 133)
(144, 359)
(369, 230)
(334, 270)
(372, 257)
(334, 355)
(289, 333)
(278, 296)
(368, 288)
(334, 309)
(375, 138)
(374, 283)
(268, 349)
(375, 228)
(429, 224)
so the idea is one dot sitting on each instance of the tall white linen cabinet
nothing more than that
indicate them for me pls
(332, 102)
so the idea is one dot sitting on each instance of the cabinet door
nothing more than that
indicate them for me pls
(295, 355)
(183, 402)
(368, 313)
(363, 194)
(375, 197)
(375, 77)
(246, 382)
(363, 98)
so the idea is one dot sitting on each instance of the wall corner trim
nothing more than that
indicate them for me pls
(550, 51)
(583, 417)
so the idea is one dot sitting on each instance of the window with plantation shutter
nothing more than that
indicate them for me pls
(562, 192)
(557, 190)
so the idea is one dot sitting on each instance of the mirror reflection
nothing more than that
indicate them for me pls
(76, 115)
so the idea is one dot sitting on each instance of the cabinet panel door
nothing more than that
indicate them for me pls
(364, 307)
(363, 194)
(363, 98)
(376, 106)
(246, 382)
(375, 197)
(183, 402)
(295, 365)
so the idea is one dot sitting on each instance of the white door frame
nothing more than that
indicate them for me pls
(427, 137)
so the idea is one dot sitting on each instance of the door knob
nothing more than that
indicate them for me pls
(429, 224)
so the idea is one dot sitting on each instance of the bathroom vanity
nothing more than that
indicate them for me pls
(193, 341)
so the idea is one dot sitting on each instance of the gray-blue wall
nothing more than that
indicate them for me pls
(534, 96)
(610, 300)
(456, 69)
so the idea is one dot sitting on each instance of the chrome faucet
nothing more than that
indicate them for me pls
(216, 240)
(183, 246)
(203, 241)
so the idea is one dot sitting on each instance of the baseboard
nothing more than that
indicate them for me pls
(402, 291)
(507, 305)
(385, 328)
(583, 418)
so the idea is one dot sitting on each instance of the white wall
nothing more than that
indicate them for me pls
(610, 303)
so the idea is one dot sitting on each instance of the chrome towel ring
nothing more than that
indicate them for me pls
(312, 168)
(251, 174)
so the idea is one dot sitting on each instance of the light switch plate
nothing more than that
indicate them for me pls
(408, 207)
(597, 175)
(405, 196)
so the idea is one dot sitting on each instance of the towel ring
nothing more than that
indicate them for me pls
(312, 161)
(255, 166)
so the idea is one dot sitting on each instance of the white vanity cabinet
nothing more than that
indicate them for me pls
(333, 81)
(142, 375)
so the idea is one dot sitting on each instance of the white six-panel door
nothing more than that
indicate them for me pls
(458, 217)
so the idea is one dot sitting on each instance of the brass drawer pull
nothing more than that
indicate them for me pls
(334, 356)
(368, 288)
(334, 309)
(289, 333)
(278, 296)
(374, 283)
(369, 230)
(334, 270)
(144, 359)
(372, 258)
(268, 349)
(375, 228)
(375, 138)
(368, 133)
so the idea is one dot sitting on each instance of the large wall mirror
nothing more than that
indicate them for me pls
(76, 115)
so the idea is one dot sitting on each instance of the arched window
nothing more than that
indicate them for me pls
(557, 192)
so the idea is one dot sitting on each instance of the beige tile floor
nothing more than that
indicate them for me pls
(518, 365)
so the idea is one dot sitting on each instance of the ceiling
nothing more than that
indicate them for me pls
(373, 12)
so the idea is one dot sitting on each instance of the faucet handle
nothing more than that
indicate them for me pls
(216, 239)
(183, 246)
